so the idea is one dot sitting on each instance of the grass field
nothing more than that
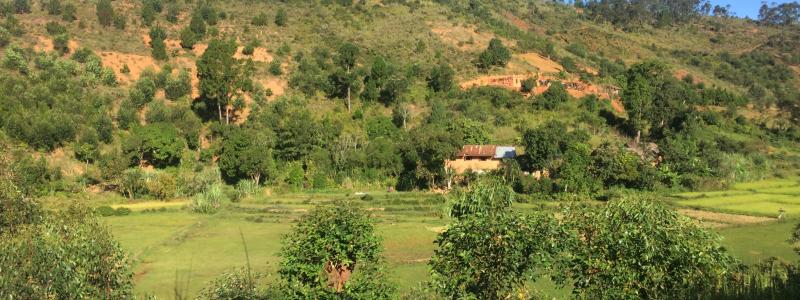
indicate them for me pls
(176, 249)
(179, 249)
(760, 198)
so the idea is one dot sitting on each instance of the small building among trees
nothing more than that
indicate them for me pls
(480, 158)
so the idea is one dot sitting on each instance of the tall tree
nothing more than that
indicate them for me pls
(345, 59)
(643, 83)
(221, 75)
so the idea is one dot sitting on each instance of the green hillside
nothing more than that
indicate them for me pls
(205, 116)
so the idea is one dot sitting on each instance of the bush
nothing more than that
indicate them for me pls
(188, 38)
(61, 44)
(281, 18)
(235, 284)
(69, 12)
(119, 22)
(275, 67)
(105, 211)
(528, 85)
(122, 211)
(608, 262)
(54, 28)
(163, 186)
(178, 87)
(248, 49)
(245, 188)
(260, 20)
(495, 55)
(5, 37)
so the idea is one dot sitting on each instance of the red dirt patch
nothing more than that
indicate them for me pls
(574, 88)
(681, 73)
(465, 38)
(516, 21)
(277, 85)
(45, 44)
(259, 54)
(136, 64)
(513, 82)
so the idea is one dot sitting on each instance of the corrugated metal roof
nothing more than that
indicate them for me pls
(487, 151)
(477, 151)
(505, 152)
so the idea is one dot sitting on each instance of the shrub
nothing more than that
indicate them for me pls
(108, 77)
(260, 20)
(608, 262)
(528, 85)
(122, 211)
(246, 188)
(281, 18)
(61, 44)
(105, 211)
(163, 186)
(234, 284)
(179, 86)
(5, 37)
(105, 12)
(249, 49)
(69, 12)
(188, 38)
(120, 22)
(275, 67)
(54, 28)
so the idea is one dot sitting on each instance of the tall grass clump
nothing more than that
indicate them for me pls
(208, 201)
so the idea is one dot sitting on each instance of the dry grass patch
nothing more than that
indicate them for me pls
(723, 218)
(544, 64)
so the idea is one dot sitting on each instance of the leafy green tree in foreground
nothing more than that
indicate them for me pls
(333, 252)
(490, 252)
(69, 255)
(639, 248)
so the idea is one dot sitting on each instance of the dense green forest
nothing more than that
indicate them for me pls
(619, 102)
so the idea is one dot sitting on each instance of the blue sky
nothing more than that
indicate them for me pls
(746, 8)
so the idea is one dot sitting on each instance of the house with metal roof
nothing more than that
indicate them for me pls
(480, 158)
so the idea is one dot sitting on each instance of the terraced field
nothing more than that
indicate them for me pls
(766, 198)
